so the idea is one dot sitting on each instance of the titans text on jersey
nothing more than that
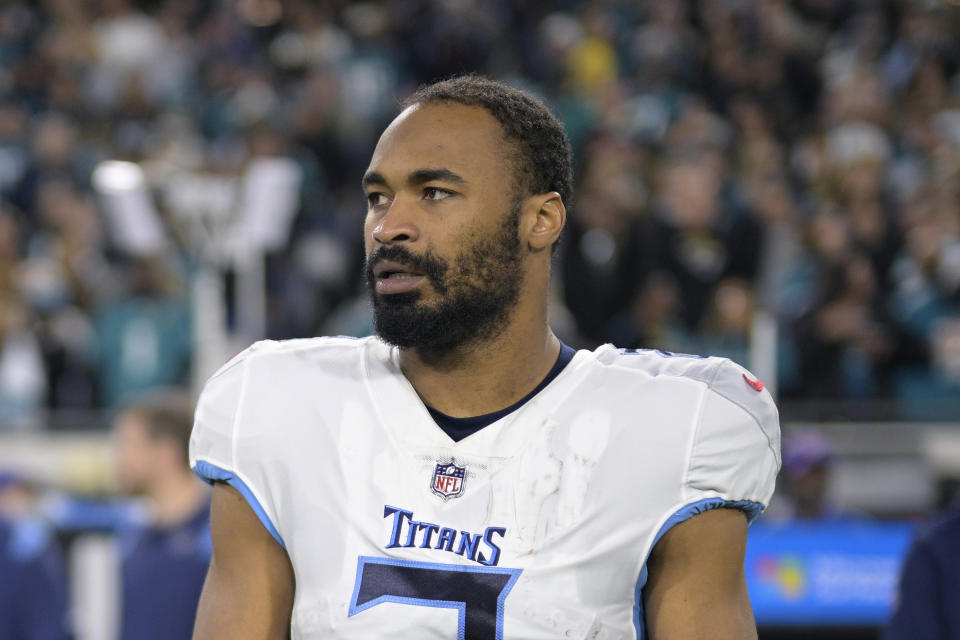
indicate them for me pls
(464, 543)
(537, 526)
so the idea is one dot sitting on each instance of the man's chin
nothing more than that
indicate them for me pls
(401, 332)
(402, 326)
(405, 299)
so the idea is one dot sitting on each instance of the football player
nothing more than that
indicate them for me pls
(463, 474)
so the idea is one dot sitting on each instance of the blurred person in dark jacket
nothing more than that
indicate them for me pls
(33, 585)
(165, 561)
(930, 583)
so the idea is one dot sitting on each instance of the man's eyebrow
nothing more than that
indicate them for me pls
(372, 178)
(426, 175)
(417, 177)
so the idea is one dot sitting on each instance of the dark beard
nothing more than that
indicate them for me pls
(475, 296)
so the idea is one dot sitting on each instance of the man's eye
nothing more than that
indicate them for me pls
(376, 199)
(436, 193)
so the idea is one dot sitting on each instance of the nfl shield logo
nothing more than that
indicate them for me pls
(448, 480)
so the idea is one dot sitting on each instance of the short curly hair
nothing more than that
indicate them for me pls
(543, 150)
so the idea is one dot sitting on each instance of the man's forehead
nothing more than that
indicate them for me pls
(435, 132)
(449, 113)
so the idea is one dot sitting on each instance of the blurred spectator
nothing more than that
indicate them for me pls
(22, 383)
(733, 156)
(725, 330)
(164, 561)
(598, 261)
(33, 585)
(693, 232)
(847, 342)
(926, 606)
(144, 338)
(651, 320)
(805, 476)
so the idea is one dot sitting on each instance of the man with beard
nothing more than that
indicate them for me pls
(463, 473)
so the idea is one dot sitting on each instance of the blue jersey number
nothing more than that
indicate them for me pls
(477, 592)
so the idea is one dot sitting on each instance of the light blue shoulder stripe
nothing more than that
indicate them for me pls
(212, 473)
(750, 508)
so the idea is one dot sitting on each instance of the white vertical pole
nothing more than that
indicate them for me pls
(95, 587)
(763, 350)
(210, 344)
(251, 310)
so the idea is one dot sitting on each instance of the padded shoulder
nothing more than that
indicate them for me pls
(220, 406)
(330, 347)
(229, 430)
(656, 362)
(722, 376)
(735, 450)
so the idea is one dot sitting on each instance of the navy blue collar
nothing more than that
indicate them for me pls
(460, 428)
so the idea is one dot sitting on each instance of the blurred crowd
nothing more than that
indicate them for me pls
(797, 160)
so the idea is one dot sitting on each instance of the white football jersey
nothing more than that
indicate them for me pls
(537, 526)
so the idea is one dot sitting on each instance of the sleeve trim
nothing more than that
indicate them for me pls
(751, 509)
(211, 473)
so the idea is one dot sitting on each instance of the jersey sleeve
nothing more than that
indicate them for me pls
(735, 451)
(218, 430)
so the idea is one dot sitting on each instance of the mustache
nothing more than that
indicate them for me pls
(431, 266)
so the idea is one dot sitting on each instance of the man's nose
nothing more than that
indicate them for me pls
(398, 224)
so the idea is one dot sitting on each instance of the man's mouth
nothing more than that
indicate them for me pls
(394, 277)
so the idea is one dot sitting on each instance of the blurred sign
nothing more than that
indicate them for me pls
(825, 574)
(133, 220)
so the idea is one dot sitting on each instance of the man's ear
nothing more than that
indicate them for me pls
(547, 216)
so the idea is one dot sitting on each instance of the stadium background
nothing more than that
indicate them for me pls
(774, 181)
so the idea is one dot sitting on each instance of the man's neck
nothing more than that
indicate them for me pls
(483, 377)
